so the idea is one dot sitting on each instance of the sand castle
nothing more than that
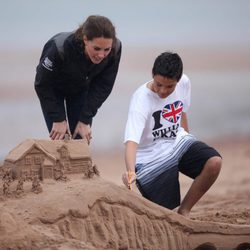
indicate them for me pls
(88, 212)
(48, 159)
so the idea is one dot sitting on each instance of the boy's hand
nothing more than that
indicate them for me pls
(129, 178)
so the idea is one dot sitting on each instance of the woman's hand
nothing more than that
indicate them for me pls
(129, 178)
(58, 131)
(83, 130)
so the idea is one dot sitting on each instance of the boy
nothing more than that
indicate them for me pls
(157, 140)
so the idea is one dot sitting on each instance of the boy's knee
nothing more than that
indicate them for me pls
(213, 165)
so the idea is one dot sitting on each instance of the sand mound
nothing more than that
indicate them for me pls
(96, 214)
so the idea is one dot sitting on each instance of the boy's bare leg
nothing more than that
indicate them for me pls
(201, 184)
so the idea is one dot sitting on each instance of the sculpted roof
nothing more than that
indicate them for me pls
(77, 148)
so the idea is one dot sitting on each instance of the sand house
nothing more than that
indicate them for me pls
(48, 159)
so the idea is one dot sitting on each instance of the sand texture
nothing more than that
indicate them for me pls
(100, 213)
(95, 213)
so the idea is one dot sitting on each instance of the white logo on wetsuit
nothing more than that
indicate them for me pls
(47, 64)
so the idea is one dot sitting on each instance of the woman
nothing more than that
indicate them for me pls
(75, 75)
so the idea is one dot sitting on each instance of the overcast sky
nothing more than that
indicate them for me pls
(29, 23)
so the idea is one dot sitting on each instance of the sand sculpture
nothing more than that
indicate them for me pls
(48, 159)
(35, 160)
(88, 212)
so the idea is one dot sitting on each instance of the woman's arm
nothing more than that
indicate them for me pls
(47, 73)
(100, 88)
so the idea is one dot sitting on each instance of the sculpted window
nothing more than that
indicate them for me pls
(64, 153)
(37, 159)
(28, 160)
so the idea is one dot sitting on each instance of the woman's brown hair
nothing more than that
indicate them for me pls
(96, 26)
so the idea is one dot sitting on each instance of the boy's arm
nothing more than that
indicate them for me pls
(184, 121)
(130, 159)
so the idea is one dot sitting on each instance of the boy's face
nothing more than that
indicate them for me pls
(163, 86)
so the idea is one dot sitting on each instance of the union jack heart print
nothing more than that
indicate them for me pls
(172, 112)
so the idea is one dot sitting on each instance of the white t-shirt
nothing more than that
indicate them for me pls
(154, 122)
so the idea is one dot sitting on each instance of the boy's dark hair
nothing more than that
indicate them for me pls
(168, 65)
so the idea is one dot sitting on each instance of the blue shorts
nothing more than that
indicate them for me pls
(165, 188)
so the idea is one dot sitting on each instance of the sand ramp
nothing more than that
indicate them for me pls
(95, 214)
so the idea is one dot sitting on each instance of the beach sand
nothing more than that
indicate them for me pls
(228, 200)
(100, 213)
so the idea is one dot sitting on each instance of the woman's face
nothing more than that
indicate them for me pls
(98, 48)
